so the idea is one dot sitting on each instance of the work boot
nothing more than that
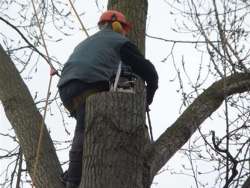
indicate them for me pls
(71, 185)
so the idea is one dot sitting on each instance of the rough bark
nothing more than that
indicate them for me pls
(184, 127)
(114, 141)
(27, 121)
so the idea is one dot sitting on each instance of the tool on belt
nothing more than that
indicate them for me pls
(124, 80)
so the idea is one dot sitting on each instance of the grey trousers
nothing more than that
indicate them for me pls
(75, 154)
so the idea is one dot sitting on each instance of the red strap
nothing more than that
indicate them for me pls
(53, 71)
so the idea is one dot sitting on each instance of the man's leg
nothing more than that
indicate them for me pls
(68, 94)
(75, 154)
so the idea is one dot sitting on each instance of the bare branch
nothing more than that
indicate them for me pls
(230, 157)
(24, 38)
(179, 132)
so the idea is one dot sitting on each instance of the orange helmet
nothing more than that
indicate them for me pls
(113, 15)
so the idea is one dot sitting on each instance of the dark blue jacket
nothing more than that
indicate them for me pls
(97, 58)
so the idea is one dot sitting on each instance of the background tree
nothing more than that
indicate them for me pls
(220, 35)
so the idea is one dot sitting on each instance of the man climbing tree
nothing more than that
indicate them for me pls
(90, 69)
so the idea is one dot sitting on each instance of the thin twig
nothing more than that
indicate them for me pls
(230, 157)
(25, 39)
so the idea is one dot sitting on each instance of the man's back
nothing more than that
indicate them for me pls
(95, 59)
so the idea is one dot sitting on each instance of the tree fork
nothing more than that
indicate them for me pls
(114, 142)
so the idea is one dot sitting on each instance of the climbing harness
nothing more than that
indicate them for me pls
(117, 77)
(124, 80)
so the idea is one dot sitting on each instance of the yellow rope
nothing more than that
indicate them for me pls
(42, 130)
(78, 17)
(47, 98)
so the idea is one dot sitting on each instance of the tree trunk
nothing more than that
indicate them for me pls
(114, 141)
(136, 13)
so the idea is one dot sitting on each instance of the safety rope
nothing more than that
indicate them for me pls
(52, 72)
(150, 125)
(78, 18)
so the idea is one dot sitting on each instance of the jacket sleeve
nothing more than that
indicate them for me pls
(130, 55)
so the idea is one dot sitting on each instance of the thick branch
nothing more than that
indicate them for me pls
(184, 127)
(114, 140)
(27, 121)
